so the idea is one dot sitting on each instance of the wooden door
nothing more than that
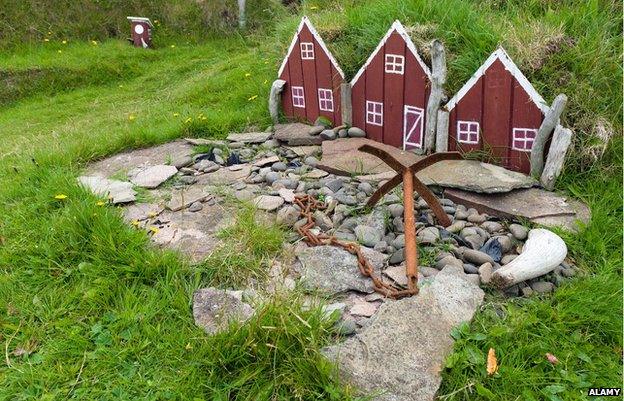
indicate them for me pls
(412, 127)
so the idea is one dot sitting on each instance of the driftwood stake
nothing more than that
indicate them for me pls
(345, 100)
(543, 251)
(438, 79)
(274, 99)
(442, 131)
(556, 157)
(551, 119)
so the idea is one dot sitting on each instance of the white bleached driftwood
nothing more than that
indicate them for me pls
(442, 131)
(345, 104)
(438, 79)
(274, 99)
(551, 120)
(556, 157)
(543, 251)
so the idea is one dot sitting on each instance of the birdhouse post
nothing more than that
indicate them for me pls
(141, 32)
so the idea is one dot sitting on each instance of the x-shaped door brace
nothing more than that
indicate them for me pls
(407, 175)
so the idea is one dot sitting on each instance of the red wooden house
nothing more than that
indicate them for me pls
(389, 93)
(497, 111)
(141, 31)
(312, 77)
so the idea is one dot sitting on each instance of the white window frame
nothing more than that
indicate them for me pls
(394, 64)
(326, 99)
(297, 96)
(468, 132)
(523, 140)
(307, 50)
(374, 114)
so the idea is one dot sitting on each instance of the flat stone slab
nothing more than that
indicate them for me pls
(204, 141)
(537, 205)
(152, 176)
(117, 191)
(305, 150)
(192, 233)
(267, 160)
(250, 137)
(225, 175)
(141, 211)
(342, 157)
(296, 134)
(182, 198)
(214, 309)
(177, 153)
(401, 352)
(332, 269)
(268, 202)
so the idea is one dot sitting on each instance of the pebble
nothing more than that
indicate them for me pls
(519, 232)
(397, 257)
(399, 241)
(355, 132)
(396, 209)
(428, 235)
(345, 327)
(365, 187)
(485, 273)
(343, 133)
(195, 207)
(473, 278)
(334, 184)
(492, 226)
(279, 166)
(271, 177)
(569, 272)
(456, 227)
(366, 309)
(287, 216)
(476, 257)
(448, 260)
(328, 134)
(477, 218)
(311, 161)
(367, 236)
(526, 291)
(543, 287)
(315, 130)
(508, 258)
(470, 269)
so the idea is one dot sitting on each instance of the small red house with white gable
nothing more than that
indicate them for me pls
(312, 77)
(497, 111)
(389, 93)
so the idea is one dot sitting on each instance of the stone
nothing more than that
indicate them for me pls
(334, 185)
(334, 270)
(366, 309)
(355, 132)
(428, 271)
(343, 133)
(526, 291)
(316, 129)
(345, 199)
(287, 216)
(266, 161)
(507, 258)
(195, 207)
(271, 177)
(346, 327)
(474, 279)
(366, 187)
(428, 235)
(456, 227)
(485, 273)
(287, 194)
(492, 226)
(271, 144)
(311, 161)
(187, 179)
(328, 310)
(396, 210)
(476, 257)
(397, 274)
(518, 231)
(368, 236)
(279, 166)
(322, 221)
(296, 134)
(543, 287)
(182, 198)
(408, 373)
(176, 153)
(268, 202)
(537, 205)
(505, 242)
(250, 137)
(141, 211)
(315, 174)
(397, 257)
(152, 176)
(448, 261)
(477, 218)
(399, 241)
(304, 151)
(328, 134)
(214, 309)
(225, 176)
(116, 191)
(470, 269)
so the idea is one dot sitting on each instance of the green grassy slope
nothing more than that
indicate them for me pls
(105, 317)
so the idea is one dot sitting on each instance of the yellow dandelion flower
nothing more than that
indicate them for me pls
(60, 51)
(188, 120)
(131, 117)
(172, 46)
(46, 40)
(176, 114)
(135, 223)
(49, 33)
(94, 42)
(100, 203)
(60, 196)
(188, 346)
(204, 118)
(154, 229)
(266, 62)
(64, 42)
(247, 74)
(152, 214)
(121, 86)
(313, 8)
(266, 81)
(254, 97)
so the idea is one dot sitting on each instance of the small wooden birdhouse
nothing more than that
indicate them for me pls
(141, 32)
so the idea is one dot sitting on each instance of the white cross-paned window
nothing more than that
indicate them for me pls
(468, 132)
(326, 99)
(394, 64)
(307, 51)
(523, 139)
(374, 113)
(298, 98)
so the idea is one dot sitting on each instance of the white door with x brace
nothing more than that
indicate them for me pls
(412, 127)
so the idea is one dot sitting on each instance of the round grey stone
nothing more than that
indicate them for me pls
(328, 134)
(355, 132)
(396, 209)
(279, 166)
(368, 236)
(519, 232)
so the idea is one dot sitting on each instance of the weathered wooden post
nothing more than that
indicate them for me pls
(438, 79)
(141, 32)
(556, 157)
(551, 120)
(346, 106)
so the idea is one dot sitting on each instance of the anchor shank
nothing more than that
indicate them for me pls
(411, 249)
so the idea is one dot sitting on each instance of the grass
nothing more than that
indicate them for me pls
(88, 311)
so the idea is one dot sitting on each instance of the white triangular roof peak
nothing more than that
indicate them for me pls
(306, 22)
(141, 19)
(398, 28)
(500, 54)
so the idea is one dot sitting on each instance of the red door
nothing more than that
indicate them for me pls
(412, 127)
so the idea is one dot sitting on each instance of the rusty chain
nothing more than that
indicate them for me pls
(308, 205)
